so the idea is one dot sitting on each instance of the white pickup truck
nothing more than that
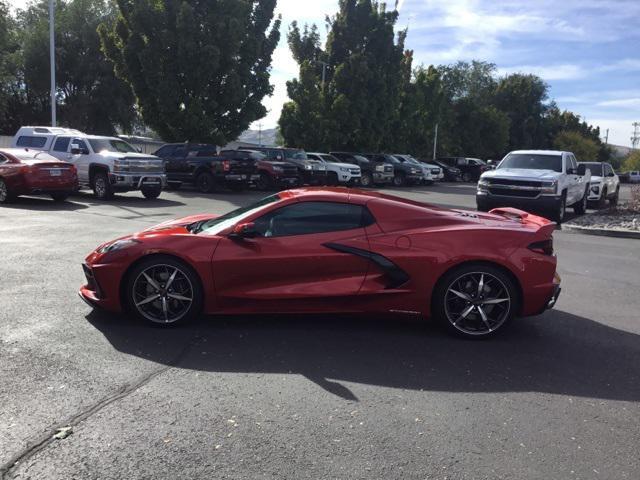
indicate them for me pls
(105, 164)
(544, 181)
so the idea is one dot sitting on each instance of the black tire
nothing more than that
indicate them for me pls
(366, 180)
(399, 180)
(151, 193)
(580, 208)
(495, 282)
(265, 182)
(5, 195)
(102, 188)
(136, 287)
(603, 198)
(559, 213)
(613, 201)
(205, 182)
(59, 197)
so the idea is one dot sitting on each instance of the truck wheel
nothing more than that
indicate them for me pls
(102, 187)
(151, 192)
(603, 198)
(399, 180)
(59, 197)
(265, 182)
(366, 180)
(558, 215)
(205, 182)
(581, 207)
(614, 200)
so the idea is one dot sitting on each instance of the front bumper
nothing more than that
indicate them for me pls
(102, 287)
(542, 203)
(135, 181)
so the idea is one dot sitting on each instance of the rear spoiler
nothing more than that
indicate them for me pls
(544, 225)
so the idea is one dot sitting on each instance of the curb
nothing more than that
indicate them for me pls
(603, 232)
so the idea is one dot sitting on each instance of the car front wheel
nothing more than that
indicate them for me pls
(581, 207)
(5, 196)
(475, 301)
(366, 180)
(102, 187)
(151, 192)
(164, 291)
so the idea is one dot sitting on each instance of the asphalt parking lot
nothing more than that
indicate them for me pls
(556, 397)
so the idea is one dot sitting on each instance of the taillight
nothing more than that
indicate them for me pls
(226, 165)
(544, 247)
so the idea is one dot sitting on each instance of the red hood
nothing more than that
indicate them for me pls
(181, 222)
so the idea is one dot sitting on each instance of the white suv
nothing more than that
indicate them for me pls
(105, 164)
(338, 172)
(604, 184)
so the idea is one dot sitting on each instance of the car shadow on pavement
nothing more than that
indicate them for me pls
(43, 204)
(556, 353)
(127, 201)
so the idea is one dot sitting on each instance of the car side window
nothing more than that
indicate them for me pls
(165, 151)
(180, 151)
(28, 141)
(81, 143)
(61, 144)
(307, 218)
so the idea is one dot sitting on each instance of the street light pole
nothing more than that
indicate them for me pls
(435, 142)
(52, 62)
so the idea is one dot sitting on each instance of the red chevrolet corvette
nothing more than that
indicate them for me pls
(24, 172)
(333, 250)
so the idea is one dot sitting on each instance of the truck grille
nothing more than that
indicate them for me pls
(435, 171)
(511, 192)
(354, 171)
(520, 183)
(144, 165)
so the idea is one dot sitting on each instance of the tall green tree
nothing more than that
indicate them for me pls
(89, 95)
(10, 57)
(584, 148)
(200, 68)
(365, 65)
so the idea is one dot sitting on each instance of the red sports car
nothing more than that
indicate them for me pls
(328, 250)
(26, 172)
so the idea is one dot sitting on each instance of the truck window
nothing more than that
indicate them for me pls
(81, 143)
(62, 144)
(532, 161)
(165, 151)
(33, 142)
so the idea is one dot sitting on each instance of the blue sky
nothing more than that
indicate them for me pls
(588, 51)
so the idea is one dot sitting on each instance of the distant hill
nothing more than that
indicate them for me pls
(253, 136)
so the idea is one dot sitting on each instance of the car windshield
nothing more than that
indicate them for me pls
(360, 158)
(295, 154)
(594, 168)
(217, 225)
(329, 158)
(110, 145)
(532, 161)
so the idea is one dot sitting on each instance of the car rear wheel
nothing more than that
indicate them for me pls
(399, 180)
(475, 301)
(5, 196)
(102, 187)
(164, 291)
(205, 182)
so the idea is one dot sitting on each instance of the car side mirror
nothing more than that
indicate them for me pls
(582, 170)
(76, 150)
(611, 174)
(572, 171)
(244, 230)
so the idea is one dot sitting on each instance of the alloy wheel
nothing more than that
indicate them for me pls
(162, 293)
(100, 187)
(477, 303)
(3, 191)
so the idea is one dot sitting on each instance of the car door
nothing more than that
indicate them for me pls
(82, 161)
(60, 148)
(294, 263)
(166, 154)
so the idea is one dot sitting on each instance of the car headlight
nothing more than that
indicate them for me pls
(308, 167)
(595, 187)
(120, 165)
(344, 169)
(550, 187)
(321, 168)
(118, 245)
(483, 185)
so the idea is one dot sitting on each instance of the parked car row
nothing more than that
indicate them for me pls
(269, 168)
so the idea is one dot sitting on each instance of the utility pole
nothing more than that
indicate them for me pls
(324, 71)
(435, 142)
(635, 137)
(606, 138)
(52, 61)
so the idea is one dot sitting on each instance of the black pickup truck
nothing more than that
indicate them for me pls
(200, 165)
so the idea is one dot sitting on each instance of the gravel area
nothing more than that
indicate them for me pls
(623, 218)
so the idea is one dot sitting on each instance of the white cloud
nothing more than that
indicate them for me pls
(633, 103)
(548, 72)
